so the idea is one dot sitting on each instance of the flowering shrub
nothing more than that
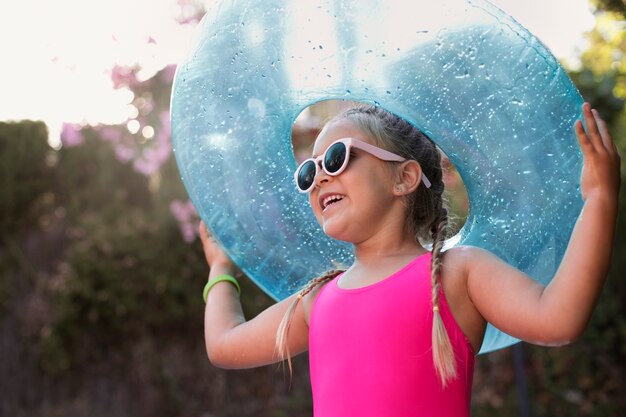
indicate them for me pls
(187, 216)
(144, 141)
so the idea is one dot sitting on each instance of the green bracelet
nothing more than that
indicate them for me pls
(217, 279)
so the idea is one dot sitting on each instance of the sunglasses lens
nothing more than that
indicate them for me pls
(306, 175)
(335, 157)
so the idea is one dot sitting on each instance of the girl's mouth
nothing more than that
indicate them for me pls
(330, 199)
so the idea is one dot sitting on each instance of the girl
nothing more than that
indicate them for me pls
(396, 333)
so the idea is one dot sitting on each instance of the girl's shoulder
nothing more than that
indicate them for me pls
(457, 265)
(463, 266)
(308, 301)
(463, 258)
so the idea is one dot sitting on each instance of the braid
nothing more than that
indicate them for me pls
(443, 354)
(282, 345)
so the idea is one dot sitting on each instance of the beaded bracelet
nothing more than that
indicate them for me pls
(217, 279)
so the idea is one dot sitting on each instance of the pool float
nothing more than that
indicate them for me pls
(491, 96)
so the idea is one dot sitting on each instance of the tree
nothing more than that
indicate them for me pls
(618, 6)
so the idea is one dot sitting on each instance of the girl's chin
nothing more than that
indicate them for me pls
(335, 230)
(336, 223)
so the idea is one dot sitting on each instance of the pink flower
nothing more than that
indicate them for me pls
(189, 232)
(190, 12)
(185, 213)
(166, 126)
(71, 135)
(124, 153)
(145, 104)
(123, 76)
(145, 166)
(110, 134)
(152, 158)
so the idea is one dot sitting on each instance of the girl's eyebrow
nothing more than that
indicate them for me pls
(313, 155)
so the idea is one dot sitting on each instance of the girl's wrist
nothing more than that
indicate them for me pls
(217, 279)
(608, 199)
(221, 268)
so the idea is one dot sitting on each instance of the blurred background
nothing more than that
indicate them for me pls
(101, 269)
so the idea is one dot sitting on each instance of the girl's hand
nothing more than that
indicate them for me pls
(601, 169)
(231, 341)
(212, 251)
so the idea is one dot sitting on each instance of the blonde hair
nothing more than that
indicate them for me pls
(427, 220)
(443, 353)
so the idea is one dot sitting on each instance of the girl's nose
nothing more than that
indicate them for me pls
(321, 176)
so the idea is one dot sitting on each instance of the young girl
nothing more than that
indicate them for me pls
(396, 333)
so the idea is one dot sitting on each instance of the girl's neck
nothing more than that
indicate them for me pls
(374, 262)
(377, 249)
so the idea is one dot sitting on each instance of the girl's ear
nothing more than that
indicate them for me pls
(408, 178)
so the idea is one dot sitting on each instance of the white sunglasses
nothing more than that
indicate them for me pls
(335, 159)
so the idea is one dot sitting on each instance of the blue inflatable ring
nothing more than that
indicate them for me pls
(491, 96)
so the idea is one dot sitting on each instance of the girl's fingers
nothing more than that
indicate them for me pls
(608, 142)
(203, 232)
(205, 236)
(594, 134)
(581, 135)
(592, 127)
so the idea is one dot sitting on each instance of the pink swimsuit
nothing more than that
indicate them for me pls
(370, 350)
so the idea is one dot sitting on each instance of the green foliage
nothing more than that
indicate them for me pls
(90, 180)
(24, 171)
(617, 6)
(24, 178)
(111, 290)
(126, 271)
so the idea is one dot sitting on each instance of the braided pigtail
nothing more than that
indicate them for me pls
(443, 354)
(282, 334)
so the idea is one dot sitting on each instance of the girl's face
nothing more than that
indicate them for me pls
(353, 205)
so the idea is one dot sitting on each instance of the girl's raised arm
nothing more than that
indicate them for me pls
(558, 313)
(231, 341)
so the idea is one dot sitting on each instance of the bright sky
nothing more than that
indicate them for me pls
(57, 55)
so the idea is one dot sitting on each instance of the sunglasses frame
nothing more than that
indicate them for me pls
(349, 143)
